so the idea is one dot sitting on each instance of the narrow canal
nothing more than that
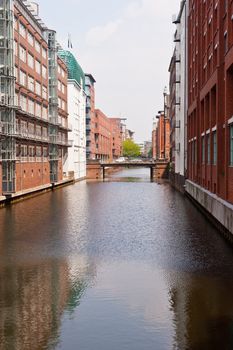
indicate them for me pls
(118, 265)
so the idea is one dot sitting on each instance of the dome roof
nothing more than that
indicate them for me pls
(75, 71)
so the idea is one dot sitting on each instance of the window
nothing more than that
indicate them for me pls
(214, 148)
(31, 151)
(45, 152)
(30, 61)
(30, 83)
(16, 48)
(225, 42)
(208, 149)
(22, 30)
(59, 102)
(44, 72)
(45, 113)
(231, 145)
(44, 53)
(23, 102)
(24, 128)
(38, 88)
(63, 88)
(15, 23)
(37, 46)
(38, 110)
(30, 39)
(22, 53)
(44, 92)
(24, 151)
(31, 129)
(203, 149)
(31, 106)
(38, 67)
(38, 151)
(226, 5)
(16, 73)
(45, 133)
(38, 131)
(22, 78)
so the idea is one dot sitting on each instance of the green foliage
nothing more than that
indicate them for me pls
(131, 149)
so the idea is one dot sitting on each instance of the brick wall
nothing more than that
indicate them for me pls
(31, 175)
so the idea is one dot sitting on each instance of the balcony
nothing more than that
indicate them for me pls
(68, 127)
(7, 100)
(176, 38)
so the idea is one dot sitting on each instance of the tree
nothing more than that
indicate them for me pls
(131, 149)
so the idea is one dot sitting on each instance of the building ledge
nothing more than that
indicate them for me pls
(20, 195)
(219, 209)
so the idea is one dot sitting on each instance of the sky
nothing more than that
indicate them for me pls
(126, 45)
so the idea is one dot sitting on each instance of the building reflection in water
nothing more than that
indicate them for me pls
(203, 312)
(34, 297)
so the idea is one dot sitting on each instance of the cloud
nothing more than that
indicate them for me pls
(99, 34)
(146, 8)
(134, 9)
(139, 8)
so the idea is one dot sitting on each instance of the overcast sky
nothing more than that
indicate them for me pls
(126, 45)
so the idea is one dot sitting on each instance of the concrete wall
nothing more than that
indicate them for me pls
(221, 210)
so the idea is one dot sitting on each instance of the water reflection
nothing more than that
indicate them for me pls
(32, 298)
(130, 175)
(113, 265)
(203, 312)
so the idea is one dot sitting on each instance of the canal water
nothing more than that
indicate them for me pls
(119, 265)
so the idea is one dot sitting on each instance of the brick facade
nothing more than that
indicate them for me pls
(116, 131)
(32, 98)
(210, 75)
(90, 116)
(162, 136)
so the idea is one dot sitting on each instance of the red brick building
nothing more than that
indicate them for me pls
(103, 136)
(90, 116)
(34, 114)
(210, 105)
(161, 136)
(117, 138)
(172, 112)
(210, 96)
(154, 142)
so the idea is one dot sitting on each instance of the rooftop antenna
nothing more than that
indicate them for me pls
(70, 45)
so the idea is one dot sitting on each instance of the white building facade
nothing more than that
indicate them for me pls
(75, 163)
(179, 100)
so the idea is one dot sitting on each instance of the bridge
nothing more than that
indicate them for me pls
(158, 168)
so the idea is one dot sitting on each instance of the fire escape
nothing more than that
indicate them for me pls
(53, 107)
(7, 98)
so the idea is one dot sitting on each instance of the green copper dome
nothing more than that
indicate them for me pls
(75, 71)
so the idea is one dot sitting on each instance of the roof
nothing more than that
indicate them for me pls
(75, 71)
(91, 77)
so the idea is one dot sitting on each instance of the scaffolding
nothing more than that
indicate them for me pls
(53, 106)
(7, 97)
